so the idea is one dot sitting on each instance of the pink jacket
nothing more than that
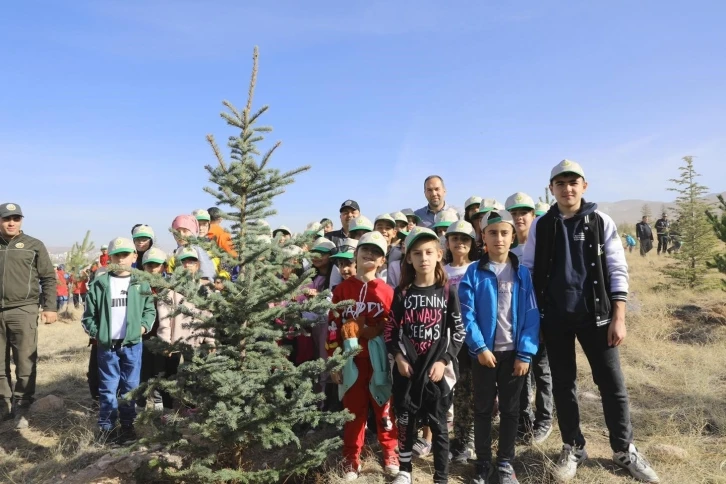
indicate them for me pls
(176, 328)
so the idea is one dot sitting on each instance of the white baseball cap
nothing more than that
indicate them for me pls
(567, 166)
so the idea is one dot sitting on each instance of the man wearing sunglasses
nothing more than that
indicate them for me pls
(25, 268)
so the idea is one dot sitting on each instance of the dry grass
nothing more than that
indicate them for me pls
(674, 360)
(60, 442)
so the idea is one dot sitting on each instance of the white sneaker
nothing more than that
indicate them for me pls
(634, 462)
(566, 466)
(402, 477)
(351, 473)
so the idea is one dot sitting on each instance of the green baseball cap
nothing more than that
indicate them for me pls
(541, 208)
(489, 204)
(519, 200)
(346, 249)
(361, 223)
(282, 229)
(154, 255)
(419, 233)
(201, 214)
(386, 217)
(473, 200)
(445, 218)
(323, 245)
(399, 217)
(187, 253)
(461, 227)
(121, 245)
(143, 231)
(410, 213)
(374, 238)
(567, 166)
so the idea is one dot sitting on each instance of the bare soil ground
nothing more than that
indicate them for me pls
(674, 360)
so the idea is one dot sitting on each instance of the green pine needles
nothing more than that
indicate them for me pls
(696, 233)
(718, 222)
(246, 410)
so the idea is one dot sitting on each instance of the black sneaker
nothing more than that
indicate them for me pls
(127, 436)
(506, 474)
(107, 437)
(483, 475)
(541, 433)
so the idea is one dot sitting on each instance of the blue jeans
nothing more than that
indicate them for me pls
(119, 371)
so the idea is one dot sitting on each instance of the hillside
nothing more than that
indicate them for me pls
(673, 360)
(628, 211)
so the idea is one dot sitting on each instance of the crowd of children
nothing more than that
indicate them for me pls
(453, 326)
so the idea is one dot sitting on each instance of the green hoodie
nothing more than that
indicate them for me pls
(140, 311)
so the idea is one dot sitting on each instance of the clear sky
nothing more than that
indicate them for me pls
(104, 105)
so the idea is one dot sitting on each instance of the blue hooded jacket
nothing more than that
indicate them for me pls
(478, 295)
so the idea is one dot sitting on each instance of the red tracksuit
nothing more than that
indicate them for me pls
(373, 303)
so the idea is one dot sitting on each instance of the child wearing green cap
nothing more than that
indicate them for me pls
(424, 336)
(119, 310)
(365, 380)
(143, 237)
(502, 334)
(203, 219)
(534, 426)
(461, 245)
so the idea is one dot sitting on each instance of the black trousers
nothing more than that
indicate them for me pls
(662, 243)
(434, 415)
(539, 381)
(487, 382)
(606, 373)
(646, 245)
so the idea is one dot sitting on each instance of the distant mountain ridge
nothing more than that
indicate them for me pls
(629, 211)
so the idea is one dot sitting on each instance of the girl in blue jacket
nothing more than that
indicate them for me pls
(499, 311)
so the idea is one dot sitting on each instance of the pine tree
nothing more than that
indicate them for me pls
(77, 259)
(645, 211)
(718, 222)
(251, 405)
(699, 242)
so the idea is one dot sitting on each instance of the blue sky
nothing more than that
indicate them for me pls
(104, 105)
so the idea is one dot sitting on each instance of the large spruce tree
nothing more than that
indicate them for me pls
(247, 409)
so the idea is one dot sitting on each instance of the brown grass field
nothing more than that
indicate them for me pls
(674, 359)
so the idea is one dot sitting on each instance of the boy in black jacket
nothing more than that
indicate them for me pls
(581, 280)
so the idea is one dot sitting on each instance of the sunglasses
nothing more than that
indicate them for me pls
(14, 218)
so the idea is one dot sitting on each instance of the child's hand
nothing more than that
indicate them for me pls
(143, 330)
(336, 377)
(520, 368)
(436, 373)
(310, 292)
(404, 367)
(486, 358)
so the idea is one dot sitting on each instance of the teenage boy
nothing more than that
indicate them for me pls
(534, 426)
(581, 280)
(103, 258)
(119, 310)
(502, 333)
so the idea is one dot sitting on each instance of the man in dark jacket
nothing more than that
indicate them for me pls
(349, 211)
(662, 227)
(644, 234)
(581, 281)
(25, 267)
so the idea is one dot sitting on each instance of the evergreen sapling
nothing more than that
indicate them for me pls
(246, 407)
